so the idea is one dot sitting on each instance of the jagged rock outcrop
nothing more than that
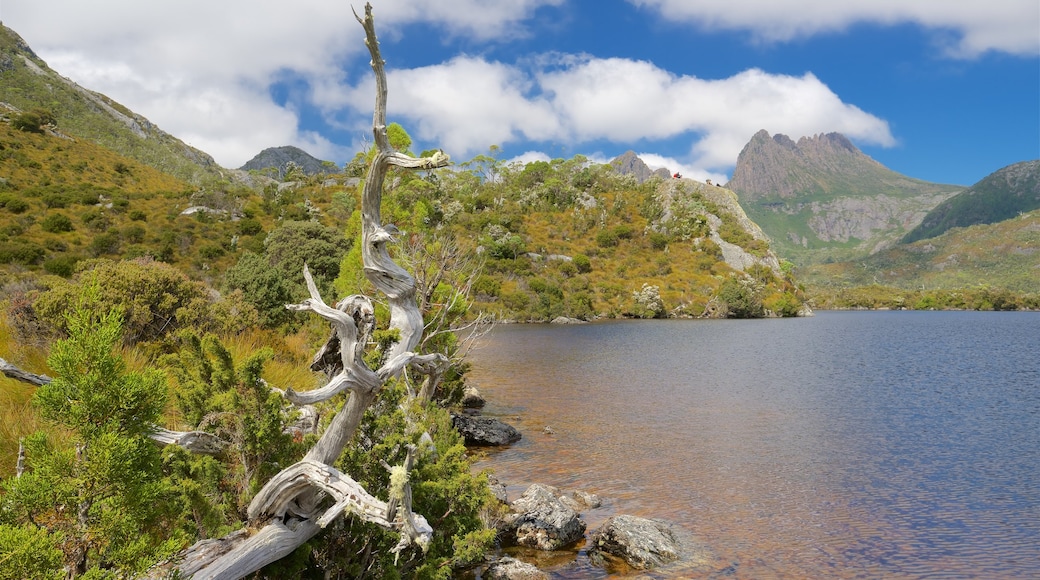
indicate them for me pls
(821, 198)
(277, 159)
(541, 519)
(628, 163)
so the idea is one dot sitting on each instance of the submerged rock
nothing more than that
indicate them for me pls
(484, 431)
(644, 544)
(512, 569)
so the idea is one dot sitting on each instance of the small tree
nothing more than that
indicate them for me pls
(97, 495)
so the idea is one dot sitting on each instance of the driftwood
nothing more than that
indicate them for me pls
(295, 504)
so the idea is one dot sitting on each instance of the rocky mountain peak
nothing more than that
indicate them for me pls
(777, 166)
(628, 163)
(278, 158)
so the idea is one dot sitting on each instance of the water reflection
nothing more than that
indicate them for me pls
(844, 445)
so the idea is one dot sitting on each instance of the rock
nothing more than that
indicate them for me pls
(539, 519)
(581, 500)
(472, 399)
(484, 431)
(641, 543)
(498, 489)
(513, 569)
(566, 320)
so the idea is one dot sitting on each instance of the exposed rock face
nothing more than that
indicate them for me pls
(821, 198)
(484, 431)
(513, 569)
(277, 158)
(644, 544)
(540, 519)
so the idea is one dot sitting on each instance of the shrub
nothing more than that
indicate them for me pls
(16, 205)
(582, 263)
(152, 296)
(56, 223)
(21, 252)
(741, 297)
(606, 238)
(63, 266)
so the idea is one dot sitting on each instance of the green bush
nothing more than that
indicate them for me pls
(56, 223)
(582, 263)
(154, 298)
(16, 205)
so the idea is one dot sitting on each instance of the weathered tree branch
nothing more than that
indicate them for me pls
(285, 513)
(13, 372)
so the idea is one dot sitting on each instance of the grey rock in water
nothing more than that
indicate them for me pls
(541, 520)
(484, 431)
(512, 569)
(644, 544)
(472, 399)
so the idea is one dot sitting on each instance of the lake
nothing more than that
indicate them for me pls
(844, 445)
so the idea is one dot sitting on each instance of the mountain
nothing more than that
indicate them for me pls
(27, 83)
(822, 199)
(275, 160)
(1002, 195)
(628, 163)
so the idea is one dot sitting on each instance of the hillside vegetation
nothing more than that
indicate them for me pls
(1004, 194)
(27, 83)
(1005, 255)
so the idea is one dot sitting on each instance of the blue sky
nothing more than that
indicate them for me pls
(941, 90)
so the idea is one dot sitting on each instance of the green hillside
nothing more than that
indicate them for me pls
(1001, 195)
(1002, 255)
(27, 83)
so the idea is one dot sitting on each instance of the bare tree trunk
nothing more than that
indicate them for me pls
(286, 512)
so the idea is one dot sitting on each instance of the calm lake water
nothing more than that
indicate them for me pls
(846, 445)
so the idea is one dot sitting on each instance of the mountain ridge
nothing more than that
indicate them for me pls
(822, 199)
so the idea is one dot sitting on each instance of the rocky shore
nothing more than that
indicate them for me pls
(546, 519)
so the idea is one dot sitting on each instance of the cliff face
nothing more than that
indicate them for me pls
(822, 199)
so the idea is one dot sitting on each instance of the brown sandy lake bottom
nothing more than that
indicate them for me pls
(845, 445)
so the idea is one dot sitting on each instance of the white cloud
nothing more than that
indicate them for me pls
(468, 104)
(1003, 25)
(202, 69)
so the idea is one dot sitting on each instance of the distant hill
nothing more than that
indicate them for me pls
(1005, 255)
(628, 163)
(821, 199)
(273, 161)
(1002, 195)
(26, 83)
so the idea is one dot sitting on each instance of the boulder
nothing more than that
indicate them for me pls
(513, 569)
(484, 431)
(472, 399)
(540, 520)
(642, 543)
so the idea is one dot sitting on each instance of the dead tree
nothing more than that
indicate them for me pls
(304, 498)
